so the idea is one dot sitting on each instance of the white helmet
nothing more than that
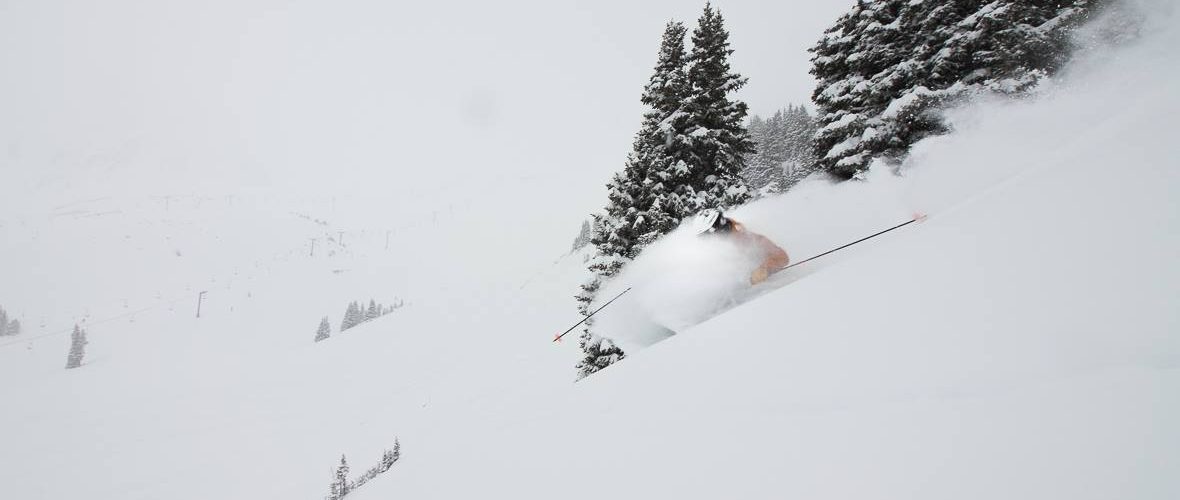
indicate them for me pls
(711, 221)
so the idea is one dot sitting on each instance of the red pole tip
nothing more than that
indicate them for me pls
(919, 216)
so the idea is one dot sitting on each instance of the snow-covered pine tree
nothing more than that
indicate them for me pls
(687, 156)
(345, 321)
(352, 316)
(391, 456)
(371, 312)
(583, 238)
(77, 348)
(648, 198)
(324, 330)
(887, 67)
(716, 124)
(340, 484)
(14, 327)
(386, 460)
(845, 59)
(599, 353)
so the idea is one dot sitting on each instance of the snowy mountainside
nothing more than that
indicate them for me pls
(241, 403)
(1020, 343)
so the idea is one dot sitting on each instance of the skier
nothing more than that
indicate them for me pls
(773, 258)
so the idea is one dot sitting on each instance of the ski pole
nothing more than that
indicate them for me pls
(557, 338)
(917, 218)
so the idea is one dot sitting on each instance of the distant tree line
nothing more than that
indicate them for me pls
(342, 486)
(784, 153)
(356, 314)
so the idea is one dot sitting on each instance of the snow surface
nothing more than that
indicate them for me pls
(1020, 343)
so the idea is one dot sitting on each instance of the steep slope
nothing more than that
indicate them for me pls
(1019, 344)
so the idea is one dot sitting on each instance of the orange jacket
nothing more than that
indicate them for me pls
(774, 258)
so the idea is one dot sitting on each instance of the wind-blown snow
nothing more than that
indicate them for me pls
(684, 278)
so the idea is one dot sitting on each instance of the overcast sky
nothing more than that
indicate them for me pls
(270, 93)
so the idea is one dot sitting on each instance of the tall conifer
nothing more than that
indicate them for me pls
(716, 123)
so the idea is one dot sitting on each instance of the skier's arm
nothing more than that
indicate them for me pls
(776, 259)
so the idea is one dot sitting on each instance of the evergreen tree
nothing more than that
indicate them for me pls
(639, 199)
(355, 314)
(887, 68)
(598, 353)
(352, 316)
(13, 327)
(340, 485)
(716, 124)
(863, 42)
(391, 456)
(77, 348)
(371, 312)
(686, 157)
(646, 199)
(583, 238)
(346, 320)
(324, 330)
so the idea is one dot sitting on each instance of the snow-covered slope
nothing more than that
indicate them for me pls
(1020, 343)
(241, 403)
